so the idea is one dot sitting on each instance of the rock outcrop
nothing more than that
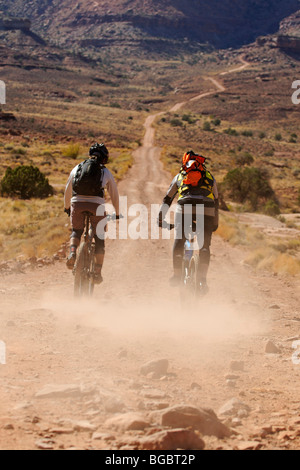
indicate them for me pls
(221, 24)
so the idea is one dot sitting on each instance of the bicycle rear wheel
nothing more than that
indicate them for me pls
(81, 284)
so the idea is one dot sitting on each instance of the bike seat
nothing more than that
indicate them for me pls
(88, 214)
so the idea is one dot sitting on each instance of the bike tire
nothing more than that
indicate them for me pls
(91, 271)
(194, 275)
(80, 279)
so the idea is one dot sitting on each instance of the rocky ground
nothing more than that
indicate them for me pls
(134, 367)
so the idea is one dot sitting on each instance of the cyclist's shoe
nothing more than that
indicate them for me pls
(203, 289)
(71, 261)
(98, 279)
(175, 280)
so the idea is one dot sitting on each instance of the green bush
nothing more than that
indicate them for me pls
(249, 185)
(247, 133)
(271, 208)
(245, 159)
(216, 122)
(175, 122)
(231, 131)
(25, 182)
(207, 126)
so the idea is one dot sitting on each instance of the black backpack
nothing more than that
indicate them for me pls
(88, 179)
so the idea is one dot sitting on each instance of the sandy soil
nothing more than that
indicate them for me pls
(215, 353)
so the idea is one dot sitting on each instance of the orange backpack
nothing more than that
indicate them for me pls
(194, 178)
(193, 166)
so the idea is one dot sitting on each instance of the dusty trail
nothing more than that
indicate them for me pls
(135, 317)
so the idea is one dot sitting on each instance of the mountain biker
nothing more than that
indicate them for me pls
(194, 185)
(84, 193)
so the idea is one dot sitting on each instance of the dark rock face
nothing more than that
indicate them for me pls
(22, 24)
(228, 23)
(289, 43)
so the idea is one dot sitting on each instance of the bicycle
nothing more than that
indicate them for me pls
(84, 269)
(190, 281)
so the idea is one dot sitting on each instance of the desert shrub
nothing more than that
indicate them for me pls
(25, 182)
(244, 159)
(247, 133)
(188, 118)
(231, 131)
(216, 122)
(207, 126)
(71, 151)
(278, 137)
(248, 185)
(175, 122)
(271, 208)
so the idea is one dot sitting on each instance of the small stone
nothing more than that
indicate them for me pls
(159, 367)
(249, 445)
(128, 422)
(100, 436)
(61, 431)
(114, 405)
(172, 440)
(84, 426)
(8, 427)
(195, 386)
(44, 444)
(231, 383)
(59, 391)
(271, 348)
(232, 377)
(235, 407)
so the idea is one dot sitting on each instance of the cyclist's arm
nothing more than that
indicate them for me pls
(216, 196)
(168, 199)
(69, 190)
(112, 191)
(171, 193)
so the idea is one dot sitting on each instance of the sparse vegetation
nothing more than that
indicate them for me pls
(248, 185)
(25, 182)
(71, 151)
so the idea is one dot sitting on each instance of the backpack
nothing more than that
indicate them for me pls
(194, 178)
(88, 179)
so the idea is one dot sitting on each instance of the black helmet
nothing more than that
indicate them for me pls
(99, 151)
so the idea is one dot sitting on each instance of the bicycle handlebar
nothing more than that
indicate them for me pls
(167, 226)
(113, 217)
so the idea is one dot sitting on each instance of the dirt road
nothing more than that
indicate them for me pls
(74, 367)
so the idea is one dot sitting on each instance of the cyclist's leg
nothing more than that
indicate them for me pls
(77, 222)
(205, 251)
(99, 231)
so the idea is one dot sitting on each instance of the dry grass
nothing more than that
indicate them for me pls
(276, 255)
(32, 228)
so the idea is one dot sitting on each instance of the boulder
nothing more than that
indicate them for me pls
(201, 419)
(172, 440)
